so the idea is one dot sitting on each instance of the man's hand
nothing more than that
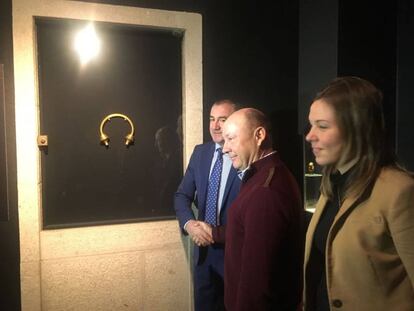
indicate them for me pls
(198, 234)
(207, 228)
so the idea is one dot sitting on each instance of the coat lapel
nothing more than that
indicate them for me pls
(345, 207)
(230, 179)
(320, 206)
(206, 158)
(348, 205)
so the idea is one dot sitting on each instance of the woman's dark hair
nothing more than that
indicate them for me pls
(357, 105)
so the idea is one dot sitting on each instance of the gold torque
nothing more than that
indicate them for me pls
(129, 139)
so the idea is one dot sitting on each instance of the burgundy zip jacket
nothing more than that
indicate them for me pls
(264, 240)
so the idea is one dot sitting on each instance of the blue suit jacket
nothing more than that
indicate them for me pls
(193, 188)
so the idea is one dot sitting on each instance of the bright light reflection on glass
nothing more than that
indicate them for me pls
(87, 44)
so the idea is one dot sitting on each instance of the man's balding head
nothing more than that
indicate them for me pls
(247, 137)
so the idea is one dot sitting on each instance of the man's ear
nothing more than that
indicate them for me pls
(260, 135)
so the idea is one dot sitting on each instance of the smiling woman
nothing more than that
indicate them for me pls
(358, 246)
(324, 134)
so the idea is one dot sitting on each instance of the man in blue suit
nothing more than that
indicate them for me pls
(196, 188)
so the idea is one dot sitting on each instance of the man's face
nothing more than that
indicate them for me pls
(240, 142)
(219, 114)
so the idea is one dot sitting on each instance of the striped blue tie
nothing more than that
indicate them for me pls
(213, 190)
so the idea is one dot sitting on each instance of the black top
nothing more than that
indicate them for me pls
(317, 265)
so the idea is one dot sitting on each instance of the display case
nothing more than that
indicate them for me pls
(110, 147)
(312, 178)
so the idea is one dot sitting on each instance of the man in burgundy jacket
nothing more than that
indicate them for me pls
(264, 233)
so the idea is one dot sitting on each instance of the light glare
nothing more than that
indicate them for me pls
(87, 44)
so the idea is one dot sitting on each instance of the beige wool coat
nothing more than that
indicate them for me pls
(370, 248)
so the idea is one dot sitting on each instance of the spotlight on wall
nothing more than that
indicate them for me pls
(87, 44)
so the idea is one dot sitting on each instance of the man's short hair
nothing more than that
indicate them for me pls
(255, 119)
(226, 101)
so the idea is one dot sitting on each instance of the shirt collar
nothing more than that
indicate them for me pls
(346, 167)
(241, 173)
(217, 146)
(254, 165)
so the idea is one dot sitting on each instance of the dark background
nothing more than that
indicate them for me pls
(271, 55)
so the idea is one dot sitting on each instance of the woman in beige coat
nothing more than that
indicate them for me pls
(360, 242)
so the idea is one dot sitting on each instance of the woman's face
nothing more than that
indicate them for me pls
(324, 134)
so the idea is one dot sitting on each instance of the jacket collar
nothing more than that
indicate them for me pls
(347, 206)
